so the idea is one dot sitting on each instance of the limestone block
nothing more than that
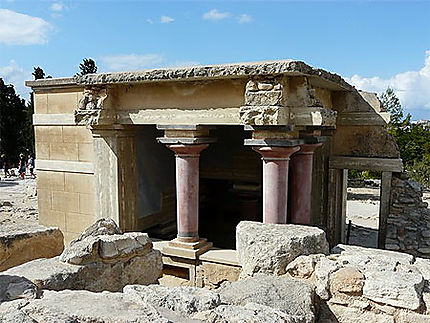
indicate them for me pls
(323, 269)
(65, 201)
(412, 317)
(53, 181)
(285, 294)
(86, 152)
(42, 150)
(19, 244)
(62, 102)
(212, 275)
(40, 103)
(250, 313)
(77, 222)
(400, 289)
(264, 115)
(269, 248)
(63, 151)
(79, 134)
(15, 287)
(49, 134)
(98, 228)
(185, 300)
(87, 205)
(104, 248)
(263, 98)
(52, 218)
(79, 183)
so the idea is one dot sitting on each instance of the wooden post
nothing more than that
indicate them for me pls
(336, 210)
(384, 207)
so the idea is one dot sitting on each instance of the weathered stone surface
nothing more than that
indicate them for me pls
(303, 266)
(107, 247)
(288, 295)
(411, 317)
(269, 248)
(99, 228)
(261, 115)
(323, 269)
(186, 300)
(400, 289)
(10, 312)
(212, 275)
(15, 287)
(19, 244)
(347, 280)
(347, 314)
(250, 313)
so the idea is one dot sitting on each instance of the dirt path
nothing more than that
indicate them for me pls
(18, 201)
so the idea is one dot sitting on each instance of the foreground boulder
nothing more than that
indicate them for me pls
(15, 287)
(22, 243)
(97, 261)
(269, 248)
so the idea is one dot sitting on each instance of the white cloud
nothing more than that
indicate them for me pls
(244, 18)
(14, 74)
(149, 21)
(215, 15)
(129, 62)
(58, 7)
(166, 19)
(412, 87)
(20, 29)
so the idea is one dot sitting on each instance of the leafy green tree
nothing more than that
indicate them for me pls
(88, 66)
(14, 123)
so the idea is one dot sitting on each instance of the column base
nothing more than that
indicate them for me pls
(188, 250)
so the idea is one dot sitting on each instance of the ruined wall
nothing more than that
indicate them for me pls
(64, 155)
(408, 224)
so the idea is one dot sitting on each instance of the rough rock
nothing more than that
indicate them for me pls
(104, 248)
(99, 228)
(213, 275)
(347, 314)
(22, 243)
(303, 266)
(57, 275)
(250, 313)
(10, 312)
(288, 295)
(15, 287)
(186, 300)
(347, 280)
(269, 248)
(85, 306)
(400, 289)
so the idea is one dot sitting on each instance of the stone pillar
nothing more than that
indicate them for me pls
(187, 142)
(301, 184)
(275, 144)
(115, 174)
(275, 182)
(187, 190)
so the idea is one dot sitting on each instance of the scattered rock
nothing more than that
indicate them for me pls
(269, 248)
(100, 227)
(22, 243)
(347, 280)
(15, 287)
(285, 294)
(303, 266)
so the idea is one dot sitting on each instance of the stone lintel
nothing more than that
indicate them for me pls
(274, 142)
(314, 139)
(264, 115)
(191, 127)
(269, 128)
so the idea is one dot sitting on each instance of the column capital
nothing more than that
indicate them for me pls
(276, 153)
(187, 150)
(308, 148)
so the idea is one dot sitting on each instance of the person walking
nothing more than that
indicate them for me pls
(30, 165)
(22, 163)
(5, 165)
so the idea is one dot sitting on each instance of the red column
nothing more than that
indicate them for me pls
(187, 190)
(275, 182)
(301, 177)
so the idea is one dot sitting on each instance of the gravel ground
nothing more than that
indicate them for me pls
(18, 201)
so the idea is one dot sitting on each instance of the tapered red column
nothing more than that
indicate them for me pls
(301, 184)
(275, 182)
(187, 190)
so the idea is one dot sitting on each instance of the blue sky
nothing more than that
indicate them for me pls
(373, 44)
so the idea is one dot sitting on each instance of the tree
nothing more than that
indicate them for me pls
(88, 66)
(38, 73)
(14, 123)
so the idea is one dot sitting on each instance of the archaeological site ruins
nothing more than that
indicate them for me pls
(215, 194)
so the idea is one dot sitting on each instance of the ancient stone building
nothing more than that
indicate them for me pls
(266, 141)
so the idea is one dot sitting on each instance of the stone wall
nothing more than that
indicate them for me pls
(408, 224)
(64, 156)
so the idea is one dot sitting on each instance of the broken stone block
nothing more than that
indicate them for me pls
(399, 289)
(263, 115)
(303, 266)
(269, 248)
(22, 243)
(185, 300)
(16, 287)
(293, 297)
(347, 314)
(347, 280)
(212, 275)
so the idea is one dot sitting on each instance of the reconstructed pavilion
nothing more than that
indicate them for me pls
(190, 152)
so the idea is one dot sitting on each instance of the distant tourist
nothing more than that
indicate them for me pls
(30, 165)
(5, 165)
(21, 168)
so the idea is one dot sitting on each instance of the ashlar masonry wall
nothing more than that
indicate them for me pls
(64, 161)
(408, 224)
